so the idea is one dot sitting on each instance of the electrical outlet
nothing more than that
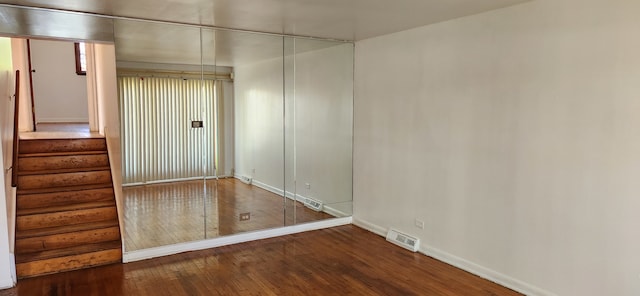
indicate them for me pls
(307, 185)
(419, 223)
(253, 171)
(245, 216)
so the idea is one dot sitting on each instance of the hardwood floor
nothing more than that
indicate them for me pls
(343, 260)
(63, 127)
(170, 213)
(60, 131)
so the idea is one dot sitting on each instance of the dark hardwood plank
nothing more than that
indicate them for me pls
(343, 260)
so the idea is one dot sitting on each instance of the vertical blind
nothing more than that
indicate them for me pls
(158, 142)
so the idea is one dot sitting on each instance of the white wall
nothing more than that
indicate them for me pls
(259, 121)
(60, 93)
(226, 165)
(106, 91)
(21, 62)
(7, 194)
(514, 135)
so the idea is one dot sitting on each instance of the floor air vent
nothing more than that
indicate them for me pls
(246, 179)
(404, 240)
(313, 204)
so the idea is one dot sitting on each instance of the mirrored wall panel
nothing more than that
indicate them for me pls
(165, 143)
(226, 132)
(319, 124)
(222, 131)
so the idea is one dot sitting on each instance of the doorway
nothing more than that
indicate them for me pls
(59, 91)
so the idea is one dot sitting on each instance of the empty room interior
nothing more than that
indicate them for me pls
(363, 147)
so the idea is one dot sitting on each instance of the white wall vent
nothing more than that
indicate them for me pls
(313, 204)
(404, 240)
(246, 179)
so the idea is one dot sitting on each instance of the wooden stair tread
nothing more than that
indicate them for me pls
(68, 263)
(89, 248)
(61, 145)
(47, 154)
(66, 240)
(65, 229)
(62, 171)
(64, 208)
(39, 200)
(63, 188)
(66, 212)
(56, 137)
(48, 181)
(46, 220)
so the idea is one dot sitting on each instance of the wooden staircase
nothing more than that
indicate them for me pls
(66, 216)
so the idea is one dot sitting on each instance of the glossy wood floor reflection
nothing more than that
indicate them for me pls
(170, 213)
(343, 260)
(60, 131)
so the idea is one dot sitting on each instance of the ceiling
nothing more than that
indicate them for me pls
(350, 20)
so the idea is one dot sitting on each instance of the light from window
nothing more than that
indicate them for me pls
(81, 58)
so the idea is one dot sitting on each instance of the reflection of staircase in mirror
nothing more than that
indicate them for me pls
(66, 216)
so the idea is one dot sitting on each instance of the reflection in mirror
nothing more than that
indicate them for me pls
(211, 144)
(252, 198)
(223, 131)
(162, 93)
(319, 102)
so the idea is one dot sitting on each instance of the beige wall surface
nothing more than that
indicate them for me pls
(513, 135)
(60, 94)
(7, 194)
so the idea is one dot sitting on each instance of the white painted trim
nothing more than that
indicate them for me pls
(12, 268)
(117, 192)
(230, 240)
(6, 283)
(269, 188)
(325, 208)
(466, 265)
(334, 212)
(483, 272)
(381, 231)
(63, 120)
(9, 282)
(92, 88)
(173, 180)
(272, 189)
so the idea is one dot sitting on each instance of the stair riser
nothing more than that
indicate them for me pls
(65, 240)
(67, 263)
(29, 164)
(30, 201)
(64, 179)
(65, 145)
(39, 221)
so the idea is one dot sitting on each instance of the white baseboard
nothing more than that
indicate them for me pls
(483, 272)
(12, 267)
(6, 283)
(326, 208)
(334, 212)
(268, 187)
(138, 255)
(466, 265)
(9, 282)
(173, 181)
(381, 231)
